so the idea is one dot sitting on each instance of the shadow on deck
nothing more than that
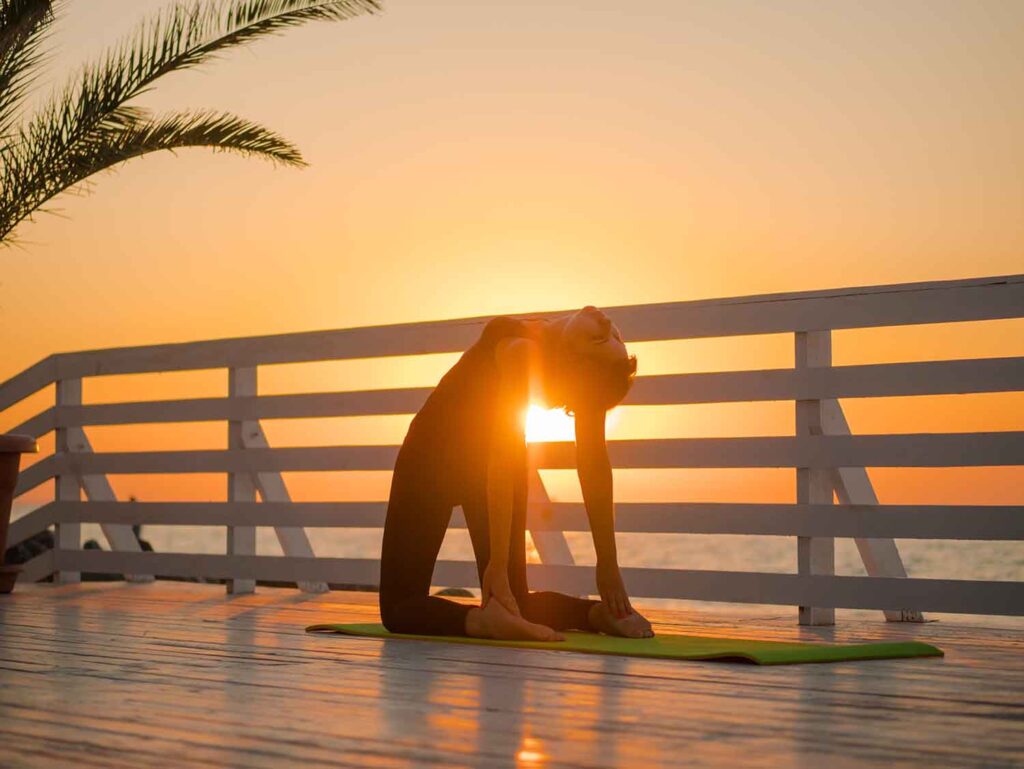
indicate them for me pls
(114, 675)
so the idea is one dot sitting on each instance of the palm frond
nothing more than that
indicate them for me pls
(69, 130)
(23, 27)
(216, 130)
(135, 133)
(179, 38)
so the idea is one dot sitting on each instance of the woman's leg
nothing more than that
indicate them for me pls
(414, 529)
(554, 610)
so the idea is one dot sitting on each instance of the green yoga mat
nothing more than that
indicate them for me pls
(679, 647)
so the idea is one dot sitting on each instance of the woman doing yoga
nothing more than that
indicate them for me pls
(467, 447)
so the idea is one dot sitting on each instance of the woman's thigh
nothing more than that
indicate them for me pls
(418, 513)
(474, 507)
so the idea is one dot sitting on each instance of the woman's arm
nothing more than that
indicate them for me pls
(595, 474)
(507, 445)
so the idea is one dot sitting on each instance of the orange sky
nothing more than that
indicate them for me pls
(471, 158)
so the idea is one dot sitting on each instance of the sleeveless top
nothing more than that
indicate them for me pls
(451, 435)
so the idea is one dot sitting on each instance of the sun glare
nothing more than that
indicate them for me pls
(548, 425)
(555, 425)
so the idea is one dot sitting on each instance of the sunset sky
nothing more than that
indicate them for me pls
(470, 158)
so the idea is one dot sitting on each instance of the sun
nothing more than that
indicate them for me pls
(549, 425)
(544, 425)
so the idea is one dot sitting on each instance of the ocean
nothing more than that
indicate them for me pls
(936, 559)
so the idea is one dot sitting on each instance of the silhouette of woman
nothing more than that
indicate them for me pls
(467, 447)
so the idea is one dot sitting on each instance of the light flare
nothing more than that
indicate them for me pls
(548, 425)
(531, 753)
(543, 425)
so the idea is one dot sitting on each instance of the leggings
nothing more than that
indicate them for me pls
(419, 510)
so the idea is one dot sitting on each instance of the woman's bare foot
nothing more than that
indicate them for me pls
(495, 621)
(631, 626)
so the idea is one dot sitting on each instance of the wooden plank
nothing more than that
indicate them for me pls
(876, 380)
(966, 522)
(27, 382)
(37, 568)
(815, 555)
(145, 663)
(237, 461)
(333, 404)
(952, 596)
(39, 425)
(34, 522)
(868, 307)
(272, 488)
(318, 514)
(865, 381)
(550, 543)
(241, 540)
(35, 475)
(67, 487)
(277, 568)
(863, 307)
(824, 451)
(881, 557)
(816, 451)
(98, 489)
(366, 342)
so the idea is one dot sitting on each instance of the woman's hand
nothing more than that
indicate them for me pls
(612, 590)
(495, 585)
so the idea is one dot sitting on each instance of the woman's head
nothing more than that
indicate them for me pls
(593, 369)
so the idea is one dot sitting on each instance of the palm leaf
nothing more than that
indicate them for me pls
(136, 133)
(177, 39)
(71, 130)
(23, 27)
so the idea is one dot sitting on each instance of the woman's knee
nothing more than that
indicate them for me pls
(390, 614)
(397, 614)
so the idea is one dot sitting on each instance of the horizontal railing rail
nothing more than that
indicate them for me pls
(868, 307)
(943, 595)
(827, 458)
(865, 381)
(819, 451)
(28, 382)
(978, 522)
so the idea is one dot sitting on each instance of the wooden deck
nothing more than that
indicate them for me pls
(173, 674)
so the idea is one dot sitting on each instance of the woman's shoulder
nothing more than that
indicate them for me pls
(504, 326)
(510, 341)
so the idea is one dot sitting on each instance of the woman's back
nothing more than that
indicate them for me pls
(455, 425)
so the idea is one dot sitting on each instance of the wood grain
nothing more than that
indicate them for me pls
(108, 675)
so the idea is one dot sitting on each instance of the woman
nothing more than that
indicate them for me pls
(467, 447)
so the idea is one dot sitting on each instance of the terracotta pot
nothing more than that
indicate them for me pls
(11, 449)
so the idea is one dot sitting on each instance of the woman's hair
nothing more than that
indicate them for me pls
(584, 381)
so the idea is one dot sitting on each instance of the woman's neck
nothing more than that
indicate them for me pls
(548, 335)
(551, 331)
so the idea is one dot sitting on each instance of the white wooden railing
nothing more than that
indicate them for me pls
(827, 457)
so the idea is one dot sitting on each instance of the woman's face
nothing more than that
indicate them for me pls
(590, 332)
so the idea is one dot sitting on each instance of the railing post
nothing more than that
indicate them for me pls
(551, 544)
(815, 555)
(272, 488)
(241, 540)
(852, 485)
(66, 485)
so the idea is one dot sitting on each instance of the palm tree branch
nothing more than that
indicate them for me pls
(139, 135)
(177, 39)
(24, 25)
(46, 149)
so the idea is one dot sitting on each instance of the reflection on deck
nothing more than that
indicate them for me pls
(104, 674)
